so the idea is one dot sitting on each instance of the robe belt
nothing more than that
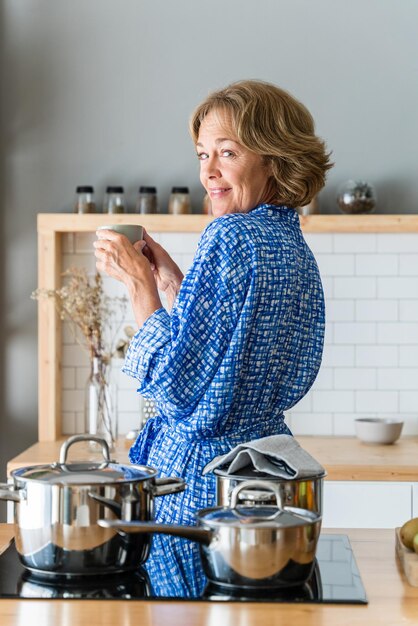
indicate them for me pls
(155, 425)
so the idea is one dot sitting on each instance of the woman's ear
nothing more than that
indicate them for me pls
(269, 165)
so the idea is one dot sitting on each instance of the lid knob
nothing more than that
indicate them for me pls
(255, 484)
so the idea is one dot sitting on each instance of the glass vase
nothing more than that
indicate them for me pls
(101, 418)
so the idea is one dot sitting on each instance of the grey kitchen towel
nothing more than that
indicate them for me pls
(278, 455)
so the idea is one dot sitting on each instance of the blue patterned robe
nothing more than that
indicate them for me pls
(242, 344)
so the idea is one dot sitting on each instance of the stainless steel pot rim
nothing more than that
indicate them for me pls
(84, 474)
(257, 517)
(253, 474)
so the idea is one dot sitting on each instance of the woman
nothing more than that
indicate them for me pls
(243, 341)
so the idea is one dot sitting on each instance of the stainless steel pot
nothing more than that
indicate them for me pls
(254, 547)
(57, 507)
(304, 493)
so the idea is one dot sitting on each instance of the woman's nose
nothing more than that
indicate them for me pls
(212, 169)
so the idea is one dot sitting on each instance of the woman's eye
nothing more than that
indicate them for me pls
(202, 156)
(227, 153)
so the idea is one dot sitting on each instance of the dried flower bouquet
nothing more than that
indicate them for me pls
(94, 318)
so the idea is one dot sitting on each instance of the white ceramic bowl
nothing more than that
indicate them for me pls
(378, 430)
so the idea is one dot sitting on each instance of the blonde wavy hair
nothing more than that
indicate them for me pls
(270, 122)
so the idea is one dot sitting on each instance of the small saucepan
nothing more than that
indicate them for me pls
(303, 493)
(254, 547)
(56, 508)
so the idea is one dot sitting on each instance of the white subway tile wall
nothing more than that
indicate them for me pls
(370, 361)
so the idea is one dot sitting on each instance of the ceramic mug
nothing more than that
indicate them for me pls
(134, 232)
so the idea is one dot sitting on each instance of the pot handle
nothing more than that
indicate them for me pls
(114, 506)
(164, 486)
(75, 438)
(186, 532)
(255, 484)
(7, 492)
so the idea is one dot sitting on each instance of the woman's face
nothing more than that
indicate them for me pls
(235, 178)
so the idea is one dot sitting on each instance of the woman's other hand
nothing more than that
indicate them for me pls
(167, 273)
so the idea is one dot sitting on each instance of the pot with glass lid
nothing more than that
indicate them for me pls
(246, 546)
(57, 506)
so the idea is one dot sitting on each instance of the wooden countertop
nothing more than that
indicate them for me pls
(344, 458)
(391, 600)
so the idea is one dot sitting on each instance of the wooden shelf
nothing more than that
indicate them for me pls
(359, 223)
(65, 222)
(51, 226)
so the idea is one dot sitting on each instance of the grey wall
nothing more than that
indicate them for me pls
(100, 91)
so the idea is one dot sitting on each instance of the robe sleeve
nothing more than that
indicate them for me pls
(175, 357)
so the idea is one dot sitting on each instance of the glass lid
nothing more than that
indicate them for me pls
(85, 473)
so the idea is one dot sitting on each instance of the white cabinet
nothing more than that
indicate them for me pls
(355, 504)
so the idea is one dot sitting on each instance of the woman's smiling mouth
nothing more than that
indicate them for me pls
(218, 191)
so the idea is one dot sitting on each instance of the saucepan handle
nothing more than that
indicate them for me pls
(187, 532)
(114, 506)
(7, 492)
(163, 486)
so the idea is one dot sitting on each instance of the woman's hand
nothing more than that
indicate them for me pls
(118, 258)
(167, 273)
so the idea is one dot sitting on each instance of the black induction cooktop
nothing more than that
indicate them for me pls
(335, 580)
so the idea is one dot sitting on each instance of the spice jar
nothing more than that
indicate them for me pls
(114, 201)
(179, 201)
(84, 201)
(147, 200)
